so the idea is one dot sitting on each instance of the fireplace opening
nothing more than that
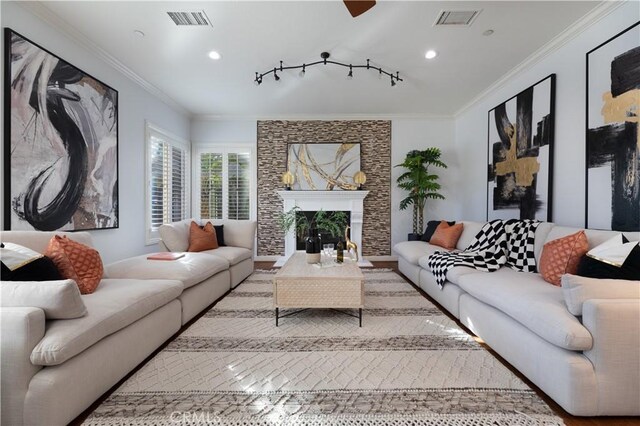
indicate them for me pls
(326, 238)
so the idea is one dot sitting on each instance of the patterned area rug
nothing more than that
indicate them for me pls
(408, 365)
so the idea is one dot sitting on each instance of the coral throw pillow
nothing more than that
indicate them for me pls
(202, 238)
(447, 236)
(76, 261)
(562, 256)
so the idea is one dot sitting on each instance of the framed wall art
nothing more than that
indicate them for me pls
(613, 139)
(323, 166)
(520, 154)
(60, 141)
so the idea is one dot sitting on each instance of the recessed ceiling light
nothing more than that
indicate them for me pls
(214, 55)
(430, 54)
(487, 33)
(138, 33)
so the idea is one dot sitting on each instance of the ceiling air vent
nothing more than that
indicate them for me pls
(193, 18)
(462, 18)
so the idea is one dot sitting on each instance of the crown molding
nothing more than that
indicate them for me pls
(312, 117)
(48, 16)
(577, 28)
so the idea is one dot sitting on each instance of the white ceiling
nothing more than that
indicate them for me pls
(255, 36)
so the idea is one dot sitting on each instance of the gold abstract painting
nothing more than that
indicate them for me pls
(323, 166)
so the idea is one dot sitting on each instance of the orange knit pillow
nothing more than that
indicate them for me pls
(562, 256)
(77, 262)
(447, 236)
(202, 238)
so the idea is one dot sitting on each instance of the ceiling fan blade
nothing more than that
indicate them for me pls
(358, 7)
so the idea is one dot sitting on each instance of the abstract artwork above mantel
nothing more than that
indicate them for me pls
(613, 137)
(61, 143)
(520, 154)
(323, 166)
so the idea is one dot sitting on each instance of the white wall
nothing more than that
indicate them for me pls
(409, 134)
(406, 134)
(568, 63)
(135, 105)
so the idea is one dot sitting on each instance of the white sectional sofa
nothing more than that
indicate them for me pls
(54, 369)
(589, 365)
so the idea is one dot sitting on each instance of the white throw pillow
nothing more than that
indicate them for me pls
(577, 290)
(58, 299)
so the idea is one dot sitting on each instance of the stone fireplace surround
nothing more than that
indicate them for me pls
(374, 137)
(351, 201)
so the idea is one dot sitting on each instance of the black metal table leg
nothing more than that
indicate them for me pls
(360, 315)
(276, 317)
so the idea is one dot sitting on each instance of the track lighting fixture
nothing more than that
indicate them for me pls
(324, 61)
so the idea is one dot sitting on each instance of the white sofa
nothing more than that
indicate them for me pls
(589, 365)
(239, 237)
(54, 369)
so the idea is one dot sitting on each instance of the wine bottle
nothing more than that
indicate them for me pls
(339, 252)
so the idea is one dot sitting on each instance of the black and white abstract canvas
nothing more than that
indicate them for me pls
(521, 154)
(61, 143)
(323, 166)
(613, 139)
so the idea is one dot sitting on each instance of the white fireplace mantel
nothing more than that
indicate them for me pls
(351, 201)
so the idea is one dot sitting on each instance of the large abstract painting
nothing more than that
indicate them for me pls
(61, 143)
(521, 154)
(613, 139)
(324, 166)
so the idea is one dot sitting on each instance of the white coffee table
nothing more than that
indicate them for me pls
(301, 285)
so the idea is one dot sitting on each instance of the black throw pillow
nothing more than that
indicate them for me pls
(431, 229)
(41, 269)
(220, 235)
(593, 268)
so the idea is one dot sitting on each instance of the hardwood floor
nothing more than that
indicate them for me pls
(568, 418)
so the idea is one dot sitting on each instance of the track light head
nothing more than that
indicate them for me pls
(393, 83)
(275, 75)
(303, 72)
(350, 75)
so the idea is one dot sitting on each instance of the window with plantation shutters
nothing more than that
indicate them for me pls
(167, 180)
(224, 183)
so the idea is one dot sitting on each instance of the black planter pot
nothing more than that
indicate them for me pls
(414, 237)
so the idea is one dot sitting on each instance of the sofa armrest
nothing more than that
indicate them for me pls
(615, 355)
(21, 330)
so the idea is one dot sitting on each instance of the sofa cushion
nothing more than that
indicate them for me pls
(202, 238)
(175, 235)
(113, 306)
(191, 269)
(447, 236)
(562, 256)
(469, 231)
(21, 263)
(412, 251)
(58, 299)
(233, 255)
(76, 261)
(531, 301)
(577, 290)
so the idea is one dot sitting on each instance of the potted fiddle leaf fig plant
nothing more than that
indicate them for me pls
(332, 223)
(420, 183)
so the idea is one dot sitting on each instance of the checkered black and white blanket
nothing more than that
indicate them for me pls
(498, 243)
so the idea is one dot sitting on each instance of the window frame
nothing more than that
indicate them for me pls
(225, 150)
(152, 236)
